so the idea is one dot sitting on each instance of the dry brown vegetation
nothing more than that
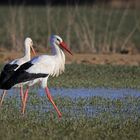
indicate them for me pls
(96, 34)
(94, 29)
(87, 58)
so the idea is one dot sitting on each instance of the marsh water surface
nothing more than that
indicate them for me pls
(83, 101)
(91, 92)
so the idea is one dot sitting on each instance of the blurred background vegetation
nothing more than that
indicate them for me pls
(103, 26)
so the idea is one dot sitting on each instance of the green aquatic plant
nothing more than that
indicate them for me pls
(111, 119)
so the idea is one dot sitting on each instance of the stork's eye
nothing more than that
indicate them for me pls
(58, 39)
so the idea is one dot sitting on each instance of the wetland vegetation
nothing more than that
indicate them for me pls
(83, 118)
(97, 28)
(112, 120)
(90, 76)
(94, 29)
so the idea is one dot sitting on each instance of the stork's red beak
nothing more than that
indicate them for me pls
(64, 46)
(32, 48)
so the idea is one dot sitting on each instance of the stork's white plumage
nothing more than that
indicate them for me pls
(28, 43)
(12, 66)
(40, 68)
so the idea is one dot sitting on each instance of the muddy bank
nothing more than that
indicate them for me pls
(113, 59)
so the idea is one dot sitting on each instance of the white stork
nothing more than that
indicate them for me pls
(12, 66)
(40, 68)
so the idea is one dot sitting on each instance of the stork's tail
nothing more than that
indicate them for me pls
(4, 77)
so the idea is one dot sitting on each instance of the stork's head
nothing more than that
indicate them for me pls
(29, 43)
(55, 39)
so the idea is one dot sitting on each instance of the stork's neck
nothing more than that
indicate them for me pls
(59, 59)
(27, 53)
(57, 51)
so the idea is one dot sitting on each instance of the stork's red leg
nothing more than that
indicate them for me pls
(51, 100)
(2, 97)
(21, 92)
(25, 100)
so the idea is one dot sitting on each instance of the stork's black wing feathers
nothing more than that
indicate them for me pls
(20, 75)
(24, 67)
(7, 72)
(10, 67)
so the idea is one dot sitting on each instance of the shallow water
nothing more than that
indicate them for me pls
(85, 110)
(74, 93)
(87, 93)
